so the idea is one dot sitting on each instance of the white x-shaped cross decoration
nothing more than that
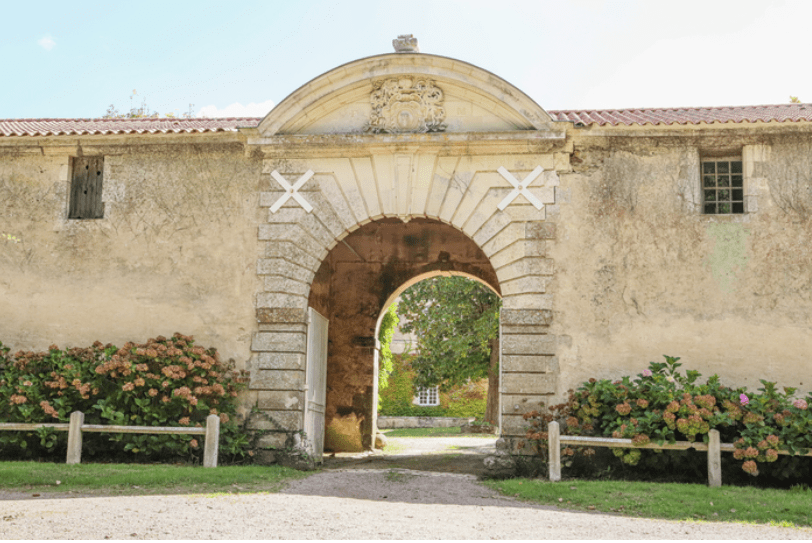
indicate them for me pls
(292, 191)
(520, 188)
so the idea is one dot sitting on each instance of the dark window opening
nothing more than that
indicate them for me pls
(722, 187)
(86, 188)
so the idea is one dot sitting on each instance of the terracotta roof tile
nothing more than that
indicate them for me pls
(75, 127)
(690, 115)
(601, 117)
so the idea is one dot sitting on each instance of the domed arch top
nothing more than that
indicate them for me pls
(403, 93)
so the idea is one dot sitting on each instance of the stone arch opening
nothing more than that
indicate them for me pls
(356, 281)
(482, 172)
(413, 281)
(482, 366)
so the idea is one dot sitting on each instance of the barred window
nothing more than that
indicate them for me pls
(86, 188)
(722, 187)
(428, 396)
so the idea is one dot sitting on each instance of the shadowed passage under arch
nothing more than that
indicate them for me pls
(353, 285)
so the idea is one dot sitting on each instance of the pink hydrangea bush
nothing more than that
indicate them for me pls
(163, 382)
(663, 405)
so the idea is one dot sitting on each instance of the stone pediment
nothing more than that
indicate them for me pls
(401, 94)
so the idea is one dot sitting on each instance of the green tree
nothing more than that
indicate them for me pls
(456, 324)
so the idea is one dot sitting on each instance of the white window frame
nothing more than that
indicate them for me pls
(428, 396)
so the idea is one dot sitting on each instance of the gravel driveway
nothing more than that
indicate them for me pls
(346, 504)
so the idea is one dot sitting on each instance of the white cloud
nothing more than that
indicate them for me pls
(237, 110)
(47, 43)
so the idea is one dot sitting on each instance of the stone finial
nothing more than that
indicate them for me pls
(406, 43)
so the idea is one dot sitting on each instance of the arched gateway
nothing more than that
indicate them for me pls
(383, 170)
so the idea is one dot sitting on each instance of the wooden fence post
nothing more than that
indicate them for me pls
(77, 418)
(714, 459)
(554, 451)
(212, 438)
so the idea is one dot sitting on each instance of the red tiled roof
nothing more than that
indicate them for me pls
(602, 117)
(689, 115)
(76, 127)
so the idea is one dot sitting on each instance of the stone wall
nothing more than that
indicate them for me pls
(642, 273)
(604, 260)
(421, 422)
(175, 251)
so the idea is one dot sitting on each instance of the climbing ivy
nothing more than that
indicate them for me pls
(387, 331)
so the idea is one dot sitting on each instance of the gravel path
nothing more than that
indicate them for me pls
(346, 504)
(447, 454)
(377, 498)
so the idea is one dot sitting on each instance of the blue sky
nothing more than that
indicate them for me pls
(73, 59)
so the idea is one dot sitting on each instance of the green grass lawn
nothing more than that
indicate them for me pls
(653, 500)
(669, 500)
(431, 432)
(116, 479)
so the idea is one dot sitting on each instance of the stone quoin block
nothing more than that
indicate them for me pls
(528, 383)
(281, 315)
(529, 363)
(528, 345)
(280, 361)
(528, 301)
(519, 404)
(277, 380)
(281, 299)
(288, 342)
(529, 317)
(532, 284)
(280, 400)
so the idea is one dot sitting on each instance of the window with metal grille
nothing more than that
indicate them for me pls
(722, 187)
(86, 188)
(428, 396)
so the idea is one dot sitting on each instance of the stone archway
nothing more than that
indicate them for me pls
(481, 165)
(353, 285)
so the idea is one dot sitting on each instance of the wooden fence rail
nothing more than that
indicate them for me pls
(714, 448)
(77, 426)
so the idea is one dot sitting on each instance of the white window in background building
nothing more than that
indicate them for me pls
(428, 396)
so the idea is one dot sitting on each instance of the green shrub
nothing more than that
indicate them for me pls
(396, 399)
(664, 406)
(468, 400)
(163, 382)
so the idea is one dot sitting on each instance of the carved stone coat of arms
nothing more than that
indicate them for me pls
(406, 105)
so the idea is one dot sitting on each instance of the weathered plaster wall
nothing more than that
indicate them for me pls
(175, 251)
(641, 273)
(360, 275)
